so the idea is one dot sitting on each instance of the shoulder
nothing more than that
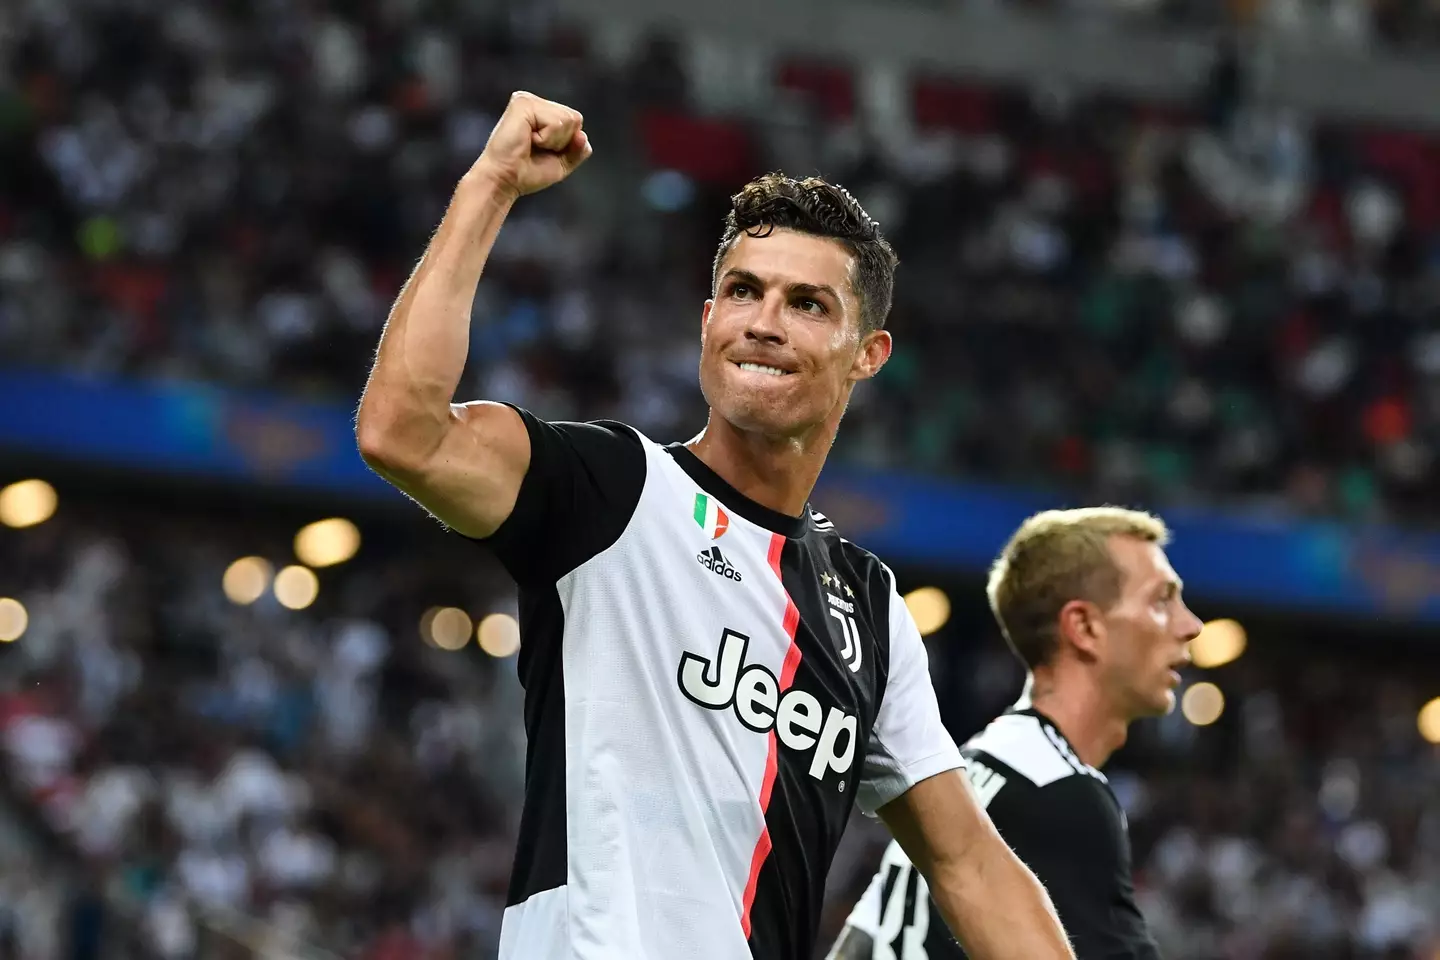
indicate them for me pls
(597, 453)
(1028, 777)
(1029, 750)
(874, 583)
(611, 434)
(580, 490)
(1036, 795)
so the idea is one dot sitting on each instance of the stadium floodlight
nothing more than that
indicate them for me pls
(325, 543)
(13, 619)
(296, 587)
(1202, 704)
(499, 635)
(1219, 643)
(930, 607)
(27, 503)
(245, 580)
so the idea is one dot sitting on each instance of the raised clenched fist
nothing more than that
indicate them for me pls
(536, 144)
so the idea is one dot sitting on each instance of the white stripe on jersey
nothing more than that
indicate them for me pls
(1019, 742)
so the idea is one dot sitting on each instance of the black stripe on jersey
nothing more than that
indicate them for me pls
(912, 887)
(578, 496)
(541, 851)
(892, 876)
(807, 815)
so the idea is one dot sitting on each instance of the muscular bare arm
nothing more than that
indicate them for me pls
(990, 900)
(462, 462)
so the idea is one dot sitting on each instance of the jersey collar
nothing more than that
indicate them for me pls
(1023, 707)
(759, 514)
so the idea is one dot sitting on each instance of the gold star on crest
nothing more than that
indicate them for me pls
(825, 577)
(848, 591)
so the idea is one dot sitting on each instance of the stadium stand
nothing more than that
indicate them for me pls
(1217, 303)
(325, 772)
(1233, 304)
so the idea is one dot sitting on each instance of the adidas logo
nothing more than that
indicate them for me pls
(714, 561)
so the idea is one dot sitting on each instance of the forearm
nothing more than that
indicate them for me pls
(426, 339)
(996, 908)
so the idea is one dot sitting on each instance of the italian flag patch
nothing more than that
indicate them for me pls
(710, 517)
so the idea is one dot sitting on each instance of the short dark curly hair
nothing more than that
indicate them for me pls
(821, 209)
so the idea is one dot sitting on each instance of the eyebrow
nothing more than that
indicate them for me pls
(794, 289)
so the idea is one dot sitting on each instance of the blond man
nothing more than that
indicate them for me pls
(1090, 604)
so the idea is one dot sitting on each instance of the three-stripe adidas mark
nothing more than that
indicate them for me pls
(714, 561)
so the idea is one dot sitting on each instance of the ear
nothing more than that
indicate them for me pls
(705, 318)
(1081, 628)
(874, 351)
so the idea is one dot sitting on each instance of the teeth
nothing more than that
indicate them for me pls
(761, 368)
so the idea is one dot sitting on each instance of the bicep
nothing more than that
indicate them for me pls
(471, 481)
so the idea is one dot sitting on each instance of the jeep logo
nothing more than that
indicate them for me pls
(797, 717)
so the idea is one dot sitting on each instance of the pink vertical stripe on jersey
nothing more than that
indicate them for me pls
(787, 677)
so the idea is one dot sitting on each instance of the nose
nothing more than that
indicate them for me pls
(1191, 627)
(767, 324)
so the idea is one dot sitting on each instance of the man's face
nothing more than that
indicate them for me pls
(1147, 631)
(781, 345)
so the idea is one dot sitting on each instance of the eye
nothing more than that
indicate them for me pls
(741, 291)
(809, 305)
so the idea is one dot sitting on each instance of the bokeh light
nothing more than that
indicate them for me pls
(930, 607)
(296, 587)
(1429, 721)
(450, 628)
(1202, 704)
(325, 543)
(27, 503)
(1219, 643)
(13, 620)
(245, 580)
(499, 635)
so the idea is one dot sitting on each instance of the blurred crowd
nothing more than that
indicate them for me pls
(1223, 302)
(1348, 24)
(220, 780)
(216, 780)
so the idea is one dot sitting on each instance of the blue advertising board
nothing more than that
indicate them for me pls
(202, 431)
(185, 428)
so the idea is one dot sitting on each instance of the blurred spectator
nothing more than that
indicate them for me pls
(206, 803)
(296, 769)
(1231, 307)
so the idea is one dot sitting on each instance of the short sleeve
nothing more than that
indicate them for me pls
(578, 495)
(908, 743)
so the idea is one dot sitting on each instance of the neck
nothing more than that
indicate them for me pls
(1079, 708)
(776, 472)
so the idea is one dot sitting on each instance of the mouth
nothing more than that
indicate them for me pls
(764, 369)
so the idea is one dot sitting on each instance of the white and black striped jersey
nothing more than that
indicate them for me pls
(709, 686)
(1058, 815)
